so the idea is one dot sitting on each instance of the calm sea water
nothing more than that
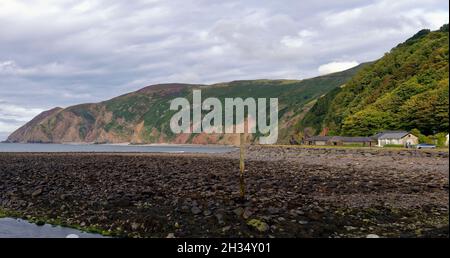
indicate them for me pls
(18, 147)
(18, 228)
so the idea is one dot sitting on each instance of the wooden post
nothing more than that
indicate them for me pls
(242, 164)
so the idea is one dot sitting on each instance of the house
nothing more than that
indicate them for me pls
(343, 140)
(396, 138)
(317, 140)
(340, 141)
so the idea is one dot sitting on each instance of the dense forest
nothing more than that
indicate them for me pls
(404, 90)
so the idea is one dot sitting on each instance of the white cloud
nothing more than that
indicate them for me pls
(8, 127)
(298, 40)
(13, 116)
(7, 67)
(50, 69)
(23, 114)
(334, 67)
(292, 41)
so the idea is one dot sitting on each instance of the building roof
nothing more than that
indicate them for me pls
(340, 139)
(390, 135)
(318, 138)
(351, 139)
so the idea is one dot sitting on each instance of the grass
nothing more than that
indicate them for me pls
(393, 146)
(352, 147)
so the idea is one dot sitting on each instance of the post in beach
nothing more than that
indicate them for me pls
(242, 164)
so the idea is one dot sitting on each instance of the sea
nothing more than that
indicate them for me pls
(19, 228)
(162, 148)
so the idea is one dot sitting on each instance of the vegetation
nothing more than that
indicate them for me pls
(406, 89)
(151, 106)
(438, 139)
(58, 221)
(393, 146)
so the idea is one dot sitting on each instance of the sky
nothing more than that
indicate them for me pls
(66, 52)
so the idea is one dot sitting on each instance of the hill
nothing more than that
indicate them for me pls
(143, 116)
(406, 89)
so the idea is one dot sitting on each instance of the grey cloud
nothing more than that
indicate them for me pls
(13, 116)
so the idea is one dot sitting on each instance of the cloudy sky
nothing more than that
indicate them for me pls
(64, 52)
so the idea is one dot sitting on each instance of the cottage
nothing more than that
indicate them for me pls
(317, 140)
(396, 138)
(343, 140)
(340, 141)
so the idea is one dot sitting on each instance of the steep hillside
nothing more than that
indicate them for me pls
(406, 89)
(33, 131)
(143, 116)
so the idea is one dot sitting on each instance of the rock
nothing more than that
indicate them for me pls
(226, 228)
(63, 197)
(295, 213)
(349, 228)
(415, 189)
(219, 217)
(135, 226)
(372, 236)
(238, 211)
(247, 213)
(315, 216)
(283, 187)
(320, 209)
(273, 210)
(36, 193)
(122, 202)
(195, 210)
(170, 235)
(440, 226)
(258, 225)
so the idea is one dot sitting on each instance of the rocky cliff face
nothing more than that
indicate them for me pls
(143, 116)
(32, 131)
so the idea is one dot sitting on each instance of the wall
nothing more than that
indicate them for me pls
(411, 139)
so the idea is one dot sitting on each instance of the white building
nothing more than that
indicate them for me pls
(396, 138)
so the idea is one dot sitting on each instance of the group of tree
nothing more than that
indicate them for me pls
(406, 89)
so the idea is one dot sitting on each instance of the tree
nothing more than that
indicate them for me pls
(366, 122)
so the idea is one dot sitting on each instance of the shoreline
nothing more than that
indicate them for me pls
(122, 144)
(439, 149)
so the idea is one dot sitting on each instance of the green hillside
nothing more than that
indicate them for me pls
(406, 89)
(144, 116)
